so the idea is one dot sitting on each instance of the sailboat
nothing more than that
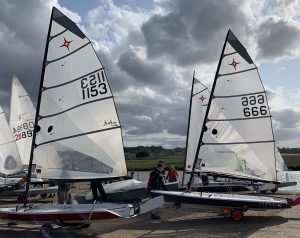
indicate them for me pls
(21, 123)
(222, 155)
(236, 120)
(77, 134)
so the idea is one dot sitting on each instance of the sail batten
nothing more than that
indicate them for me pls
(76, 106)
(58, 34)
(238, 119)
(239, 95)
(73, 80)
(73, 136)
(238, 72)
(238, 142)
(62, 57)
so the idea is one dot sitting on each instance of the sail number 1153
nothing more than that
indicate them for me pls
(253, 106)
(93, 85)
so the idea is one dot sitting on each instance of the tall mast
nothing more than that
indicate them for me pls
(206, 113)
(188, 129)
(38, 108)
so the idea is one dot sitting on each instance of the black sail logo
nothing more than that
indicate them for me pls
(93, 85)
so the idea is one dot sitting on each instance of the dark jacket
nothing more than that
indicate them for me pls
(156, 181)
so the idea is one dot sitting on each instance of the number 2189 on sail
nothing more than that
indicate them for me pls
(93, 85)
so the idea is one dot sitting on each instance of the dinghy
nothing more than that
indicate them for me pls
(236, 127)
(232, 169)
(77, 134)
(21, 123)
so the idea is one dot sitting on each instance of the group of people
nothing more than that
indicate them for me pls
(157, 177)
(156, 180)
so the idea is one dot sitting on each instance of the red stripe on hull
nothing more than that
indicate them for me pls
(58, 216)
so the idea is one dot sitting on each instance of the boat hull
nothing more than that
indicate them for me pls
(66, 213)
(77, 213)
(216, 200)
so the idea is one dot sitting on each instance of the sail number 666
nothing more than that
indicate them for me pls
(252, 105)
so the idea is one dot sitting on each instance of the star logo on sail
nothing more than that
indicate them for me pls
(66, 43)
(234, 64)
(202, 98)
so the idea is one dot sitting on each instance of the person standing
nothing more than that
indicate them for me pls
(172, 175)
(97, 185)
(64, 193)
(156, 181)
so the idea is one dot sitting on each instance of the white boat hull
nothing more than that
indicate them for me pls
(218, 200)
(76, 213)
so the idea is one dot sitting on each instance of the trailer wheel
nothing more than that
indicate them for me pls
(274, 190)
(177, 205)
(46, 231)
(85, 225)
(237, 215)
(43, 195)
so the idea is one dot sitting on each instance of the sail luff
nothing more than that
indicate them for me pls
(207, 111)
(188, 128)
(38, 105)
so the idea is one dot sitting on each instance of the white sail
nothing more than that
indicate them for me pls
(280, 164)
(239, 136)
(221, 159)
(21, 121)
(76, 114)
(200, 96)
(10, 161)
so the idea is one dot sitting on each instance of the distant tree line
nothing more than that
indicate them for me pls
(152, 151)
(159, 151)
(289, 150)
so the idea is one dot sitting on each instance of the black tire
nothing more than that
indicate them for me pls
(274, 190)
(43, 195)
(177, 205)
(46, 231)
(85, 225)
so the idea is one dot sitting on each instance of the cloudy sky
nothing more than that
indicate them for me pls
(150, 49)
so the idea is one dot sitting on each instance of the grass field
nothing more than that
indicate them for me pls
(150, 162)
(291, 160)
